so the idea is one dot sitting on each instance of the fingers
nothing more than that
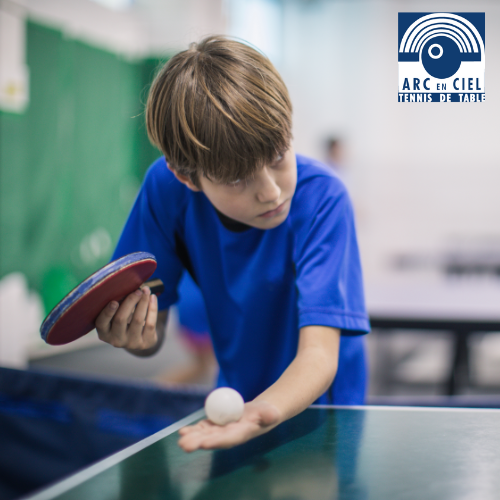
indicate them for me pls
(132, 325)
(214, 436)
(192, 436)
(117, 334)
(141, 332)
(232, 437)
(103, 321)
(203, 424)
(149, 335)
(136, 324)
(259, 417)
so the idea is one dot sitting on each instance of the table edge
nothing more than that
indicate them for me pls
(62, 486)
(408, 408)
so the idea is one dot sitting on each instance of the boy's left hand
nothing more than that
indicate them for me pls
(258, 417)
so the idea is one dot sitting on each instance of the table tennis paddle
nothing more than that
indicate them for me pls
(75, 315)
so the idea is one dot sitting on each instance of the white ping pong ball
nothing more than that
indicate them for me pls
(224, 405)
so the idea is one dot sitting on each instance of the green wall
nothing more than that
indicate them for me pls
(70, 166)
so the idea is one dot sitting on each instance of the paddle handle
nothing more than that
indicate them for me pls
(156, 286)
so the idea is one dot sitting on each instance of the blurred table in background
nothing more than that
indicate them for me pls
(460, 306)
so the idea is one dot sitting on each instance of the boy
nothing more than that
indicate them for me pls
(268, 236)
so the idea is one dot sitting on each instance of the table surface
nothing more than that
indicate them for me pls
(323, 453)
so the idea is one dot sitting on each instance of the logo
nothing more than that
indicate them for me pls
(441, 57)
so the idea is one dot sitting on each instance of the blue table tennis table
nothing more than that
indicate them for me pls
(326, 452)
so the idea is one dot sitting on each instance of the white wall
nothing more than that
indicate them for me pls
(422, 174)
(173, 24)
(121, 32)
(148, 27)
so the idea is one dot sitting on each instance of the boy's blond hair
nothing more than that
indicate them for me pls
(219, 109)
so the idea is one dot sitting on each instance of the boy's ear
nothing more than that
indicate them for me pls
(184, 179)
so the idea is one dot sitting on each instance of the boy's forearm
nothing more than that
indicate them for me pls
(306, 378)
(310, 373)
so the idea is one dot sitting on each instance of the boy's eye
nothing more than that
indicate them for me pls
(279, 158)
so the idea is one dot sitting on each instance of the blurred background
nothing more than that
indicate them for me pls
(74, 77)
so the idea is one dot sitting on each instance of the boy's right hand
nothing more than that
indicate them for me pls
(131, 324)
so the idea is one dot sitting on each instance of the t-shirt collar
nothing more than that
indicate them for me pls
(231, 224)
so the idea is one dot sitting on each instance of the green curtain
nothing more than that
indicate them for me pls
(71, 165)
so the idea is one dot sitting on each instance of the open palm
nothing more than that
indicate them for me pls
(258, 417)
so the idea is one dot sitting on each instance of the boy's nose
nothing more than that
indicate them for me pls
(267, 189)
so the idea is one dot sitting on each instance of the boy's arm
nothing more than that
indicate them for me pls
(307, 377)
(310, 373)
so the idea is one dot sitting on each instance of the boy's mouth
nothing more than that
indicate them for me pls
(272, 213)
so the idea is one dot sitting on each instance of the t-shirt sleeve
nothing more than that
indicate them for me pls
(150, 227)
(328, 269)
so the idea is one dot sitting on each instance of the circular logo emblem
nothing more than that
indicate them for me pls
(441, 57)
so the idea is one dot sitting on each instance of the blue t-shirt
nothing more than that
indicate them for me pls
(191, 308)
(261, 286)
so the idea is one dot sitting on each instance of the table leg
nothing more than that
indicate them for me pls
(459, 377)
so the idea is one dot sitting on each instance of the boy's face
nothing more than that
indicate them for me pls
(262, 202)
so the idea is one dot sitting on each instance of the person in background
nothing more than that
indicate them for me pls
(334, 158)
(334, 152)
